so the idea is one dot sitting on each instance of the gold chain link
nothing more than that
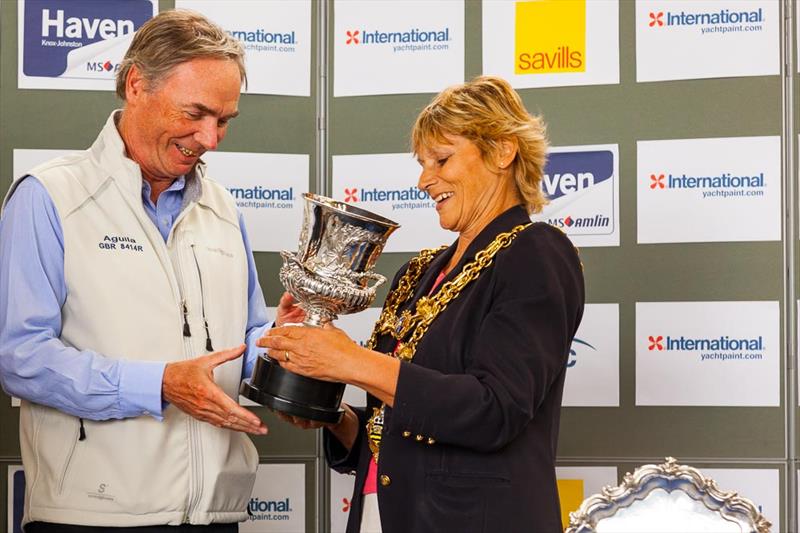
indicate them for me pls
(426, 311)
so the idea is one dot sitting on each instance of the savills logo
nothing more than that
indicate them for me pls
(550, 36)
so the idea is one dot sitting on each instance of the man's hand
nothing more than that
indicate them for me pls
(189, 386)
(288, 311)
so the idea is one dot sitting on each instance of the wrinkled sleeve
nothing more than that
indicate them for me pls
(34, 364)
(257, 321)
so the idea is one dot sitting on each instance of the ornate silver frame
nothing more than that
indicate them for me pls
(668, 476)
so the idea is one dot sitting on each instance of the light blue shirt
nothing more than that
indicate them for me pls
(34, 364)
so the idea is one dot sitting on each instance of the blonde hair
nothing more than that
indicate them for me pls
(174, 37)
(488, 111)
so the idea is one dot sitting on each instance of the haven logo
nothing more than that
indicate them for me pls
(722, 18)
(550, 37)
(412, 36)
(53, 28)
(568, 175)
(577, 345)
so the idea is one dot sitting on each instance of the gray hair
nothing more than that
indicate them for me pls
(174, 37)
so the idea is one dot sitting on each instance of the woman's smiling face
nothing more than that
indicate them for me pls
(468, 194)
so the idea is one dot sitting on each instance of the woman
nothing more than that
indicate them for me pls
(461, 425)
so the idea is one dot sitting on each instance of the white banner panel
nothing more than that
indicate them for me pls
(582, 183)
(593, 365)
(708, 353)
(341, 493)
(268, 189)
(278, 503)
(358, 327)
(397, 46)
(709, 190)
(759, 485)
(576, 483)
(387, 185)
(276, 36)
(552, 43)
(16, 498)
(25, 159)
(77, 44)
(680, 39)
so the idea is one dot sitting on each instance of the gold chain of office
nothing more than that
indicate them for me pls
(425, 312)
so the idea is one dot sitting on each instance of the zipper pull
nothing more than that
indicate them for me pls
(186, 332)
(81, 431)
(209, 348)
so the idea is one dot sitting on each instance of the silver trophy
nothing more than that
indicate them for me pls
(329, 275)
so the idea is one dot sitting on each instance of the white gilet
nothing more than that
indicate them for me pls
(126, 290)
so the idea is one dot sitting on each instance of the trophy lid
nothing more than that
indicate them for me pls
(351, 210)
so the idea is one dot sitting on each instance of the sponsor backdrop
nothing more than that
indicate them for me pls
(276, 37)
(76, 44)
(551, 43)
(397, 46)
(582, 184)
(709, 184)
(665, 118)
(268, 189)
(679, 40)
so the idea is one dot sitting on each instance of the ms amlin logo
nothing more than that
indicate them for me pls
(567, 174)
(400, 199)
(722, 348)
(53, 28)
(722, 185)
(718, 21)
(406, 40)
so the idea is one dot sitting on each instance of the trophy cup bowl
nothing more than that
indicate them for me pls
(329, 275)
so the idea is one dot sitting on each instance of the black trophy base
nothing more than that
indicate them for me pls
(280, 390)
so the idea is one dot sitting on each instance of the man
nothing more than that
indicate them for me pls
(122, 269)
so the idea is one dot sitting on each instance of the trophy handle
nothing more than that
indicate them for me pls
(364, 278)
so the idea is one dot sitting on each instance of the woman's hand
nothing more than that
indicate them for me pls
(325, 353)
(345, 430)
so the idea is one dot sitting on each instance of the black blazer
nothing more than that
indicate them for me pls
(485, 385)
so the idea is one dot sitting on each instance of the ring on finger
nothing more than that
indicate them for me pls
(286, 355)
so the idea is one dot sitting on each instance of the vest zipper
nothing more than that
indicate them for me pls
(81, 431)
(209, 347)
(195, 454)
